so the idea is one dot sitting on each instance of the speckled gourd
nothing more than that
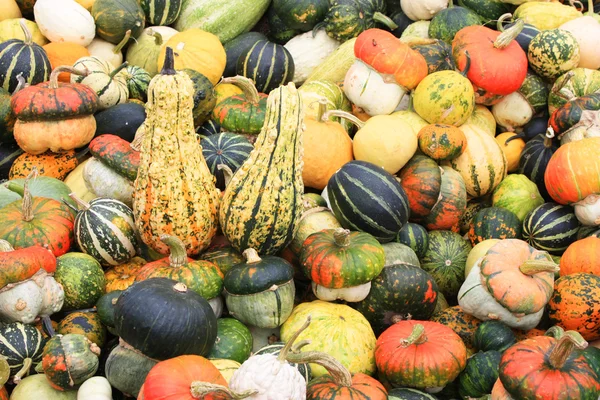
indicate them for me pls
(262, 205)
(174, 192)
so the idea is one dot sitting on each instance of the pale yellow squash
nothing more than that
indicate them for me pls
(9, 9)
(11, 29)
(483, 118)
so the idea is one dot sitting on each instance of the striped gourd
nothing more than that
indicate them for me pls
(262, 204)
(267, 64)
(483, 164)
(161, 12)
(25, 58)
(534, 160)
(138, 80)
(109, 83)
(551, 227)
(227, 149)
(415, 237)
(311, 92)
(275, 349)
(364, 197)
(22, 346)
(105, 229)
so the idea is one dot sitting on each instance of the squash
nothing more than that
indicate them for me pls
(546, 15)
(69, 360)
(11, 29)
(422, 11)
(576, 83)
(82, 279)
(480, 374)
(517, 194)
(584, 28)
(115, 17)
(225, 149)
(109, 83)
(76, 184)
(145, 50)
(512, 146)
(308, 51)
(138, 81)
(534, 160)
(55, 165)
(236, 47)
(226, 367)
(493, 335)
(414, 236)
(120, 277)
(9, 9)
(117, 154)
(442, 142)
(105, 182)
(95, 388)
(64, 53)
(38, 387)
(126, 369)
(494, 223)
(416, 30)
(159, 12)
(447, 22)
(22, 347)
(161, 206)
(421, 179)
(581, 256)
(437, 53)
(107, 51)
(301, 15)
(234, 341)
(87, 324)
(64, 21)
(335, 67)
(243, 113)
(276, 348)
(553, 52)
(42, 186)
(552, 228)
(483, 118)
(268, 64)
(576, 120)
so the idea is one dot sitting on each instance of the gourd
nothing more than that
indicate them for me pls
(423, 10)
(159, 12)
(107, 51)
(85, 323)
(571, 85)
(553, 228)
(225, 149)
(243, 113)
(117, 154)
(109, 83)
(10, 9)
(585, 29)
(105, 182)
(335, 67)
(22, 347)
(145, 50)
(442, 142)
(55, 165)
(546, 15)
(38, 387)
(421, 179)
(268, 64)
(308, 50)
(11, 29)
(234, 341)
(449, 21)
(274, 167)
(161, 203)
(95, 388)
(577, 119)
(82, 279)
(127, 368)
(120, 277)
(553, 52)
(517, 194)
(115, 17)
(64, 21)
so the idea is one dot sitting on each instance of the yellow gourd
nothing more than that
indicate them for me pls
(483, 118)
(546, 15)
(9, 9)
(11, 29)
(225, 90)
(512, 150)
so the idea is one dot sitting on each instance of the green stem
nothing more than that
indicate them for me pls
(288, 346)
(450, 3)
(385, 20)
(83, 204)
(28, 37)
(417, 336)
(570, 341)
(322, 109)
(340, 374)
(506, 37)
(178, 254)
(590, 12)
(345, 115)
(251, 256)
(501, 20)
(532, 267)
(556, 332)
(158, 39)
(341, 237)
(169, 64)
(118, 69)
(24, 371)
(246, 85)
(122, 43)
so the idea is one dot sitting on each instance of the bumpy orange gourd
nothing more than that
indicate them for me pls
(54, 165)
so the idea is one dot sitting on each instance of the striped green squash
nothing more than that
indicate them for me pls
(267, 64)
(446, 23)
(576, 83)
(493, 335)
(161, 12)
(105, 229)
(109, 83)
(551, 227)
(364, 197)
(553, 52)
(138, 80)
(114, 18)
(234, 341)
(409, 394)
(22, 346)
(25, 58)
(480, 374)
(494, 223)
(225, 149)
(276, 348)
(534, 160)
(445, 260)
(414, 236)
(210, 127)
(311, 92)
(82, 279)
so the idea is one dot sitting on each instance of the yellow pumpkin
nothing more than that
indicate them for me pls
(9, 9)
(483, 118)
(225, 90)
(76, 183)
(198, 50)
(87, 4)
(11, 29)
(412, 119)
(512, 149)
(226, 367)
(546, 15)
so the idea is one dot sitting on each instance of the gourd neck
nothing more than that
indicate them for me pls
(65, 68)
(247, 86)
(201, 390)
(251, 256)
(118, 69)
(345, 115)
(169, 64)
(508, 35)
(122, 43)
(341, 237)
(533, 267)
(563, 348)
(417, 336)
(158, 39)
(178, 254)
(81, 203)
(24, 371)
(385, 20)
(5, 246)
(340, 374)
(285, 352)
(28, 36)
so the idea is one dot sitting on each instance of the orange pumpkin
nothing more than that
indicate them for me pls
(64, 53)
(581, 256)
(54, 165)
(120, 277)
(441, 141)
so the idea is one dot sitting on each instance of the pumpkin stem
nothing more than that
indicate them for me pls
(345, 115)
(83, 204)
(227, 173)
(501, 20)
(28, 199)
(549, 137)
(417, 336)
(118, 69)
(22, 83)
(5, 246)
(24, 371)
(178, 254)
(317, 28)
(558, 90)
(590, 10)
(247, 86)
(28, 37)
(251, 256)
(507, 36)
(385, 20)
(532, 267)
(169, 64)
(450, 3)
(123, 42)
(322, 109)
(413, 41)
(338, 372)
(563, 348)
(556, 332)
(341, 237)
(288, 346)
(298, 346)
(200, 390)
(180, 287)
(158, 39)
(577, 5)
(465, 71)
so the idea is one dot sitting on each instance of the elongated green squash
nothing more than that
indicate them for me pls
(262, 205)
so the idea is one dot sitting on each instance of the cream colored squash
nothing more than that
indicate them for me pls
(77, 185)
(422, 9)
(11, 29)
(144, 51)
(587, 210)
(105, 51)
(105, 182)
(95, 388)
(419, 29)
(308, 52)
(413, 119)
(9, 9)
(334, 67)
(586, 30)
(483, 118)
(351, 294)
(65, 21)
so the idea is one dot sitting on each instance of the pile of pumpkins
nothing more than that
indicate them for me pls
(299, 199)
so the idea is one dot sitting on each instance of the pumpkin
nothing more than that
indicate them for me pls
(105, 182)
(421, 179)
(144, 51)
(137, 83)
(483, 118)
(512, 147)
(55, 165)
(534, 160)
(198, 50)
(22, 58)
(493, 335)
(423, 11)
(449, 21)
(11, 29)
(581, 256)
(225, 149)
(126, 369)
(114, 18)
(82, 279)
(95, 388)
(442, 142)
(421, 354)
(234, 341)
(553, 52)
(22, 347)
(108, 82)
(414, 236)
(518, 195)
(69, 360)
(64, 53)
(161, 206)
(64, 21)
(87, 324)
(553, 228)
(308, 51)
(159, 12)
(480, 374)
(494, 223)
(117, 154)
(38, 386)
(547, 16)
(463, 324)
(243, 113)
(120, 277)
(268, 64)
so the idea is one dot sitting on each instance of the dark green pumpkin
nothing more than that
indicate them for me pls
(121, 120)
(347, 19)
(487, 9)
(69, 360)
(276, 348)
(204, 96)
(25, 58)
(163, 319)
(364, 197)
(473, 207)
(87, 324)
(551, 227)
(224, 257)
(7, 118)
(161, 12)
(210, 127)
(106, 307)
(480, 374)
(242, 113)
(301, 14)
(278, 31)
(234, 341)
(115, 17)
(399, 18)
(400, 291)
(438, 56)
(257, 274)
(21, 345)
(445, 260)
(126, 369)
(534, 160)
(268, 64)
(409, 394)
(446, 23)
(235, 47)
(493, 335)
(494, 223)
(138, 80)
(225, 148)
(82, 279)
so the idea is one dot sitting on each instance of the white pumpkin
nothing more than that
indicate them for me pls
(422, 9)
(587, 210)
(105, 182)
(111, 53)
(110, 83)
(144, 51)
(512, 111)
(586, 30)
(308, 52)
(95, 388)
(351, 294)
(64, 21)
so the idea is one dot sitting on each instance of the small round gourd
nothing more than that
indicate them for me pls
(442, 142)
(64, 21)
(553, 52)
(82, 278)
(228, 149)
(268, 64)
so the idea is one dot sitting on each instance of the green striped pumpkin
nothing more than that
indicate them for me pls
(223, 257)
(551, 227)
(138, 80)
(267, 64)
(409, 394)
(364, 197)
(493, 335)
(109, 83)
(105, 229)
(210, 127)
(227, 149)
(114, 18)
(414, 236)
(26, 58)
(20, 344)
(276, 348)
(534, 160)
(161, 12)
(234, 341)
(480, 374)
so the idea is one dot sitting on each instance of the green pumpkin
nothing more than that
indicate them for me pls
(243, 113)
(301, 14)
(38, 387)
(161, 12)
(126, 369)
(82, 279)
(575, 83)
(553, 227)
(480, 374)
(22, 346)
(234, 341)
(517, 194)
(487, 9)
(204, 96)
(69, 360)
(346, 19)
(446, 23)
(114, 18)
(279, 32)
(553, 52)
(235, 47)
(438, 56)
(223, 257)
(7, 119)
(138, 80)
(227, 149)
(268, 64)
(106, 309)
(535, 91)
(87, 324)
(493, 335)
(42, 186)
(494, 223)
(473, 207)
(398, 253)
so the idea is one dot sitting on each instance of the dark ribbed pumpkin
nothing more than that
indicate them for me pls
(452, 203)
(494, 223)
(242, 113)
(267, 64)
(302, 15)
(22, 346)
(534, 160)
(421, 179)
(114, 18)
(480, 374)
(551, 227)
(18, 57)
(438, 55)
(161, 12)
(163, 319)
(366, 198)
(446, 23)
(415, 237)
(493, 335)
(228, 149)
